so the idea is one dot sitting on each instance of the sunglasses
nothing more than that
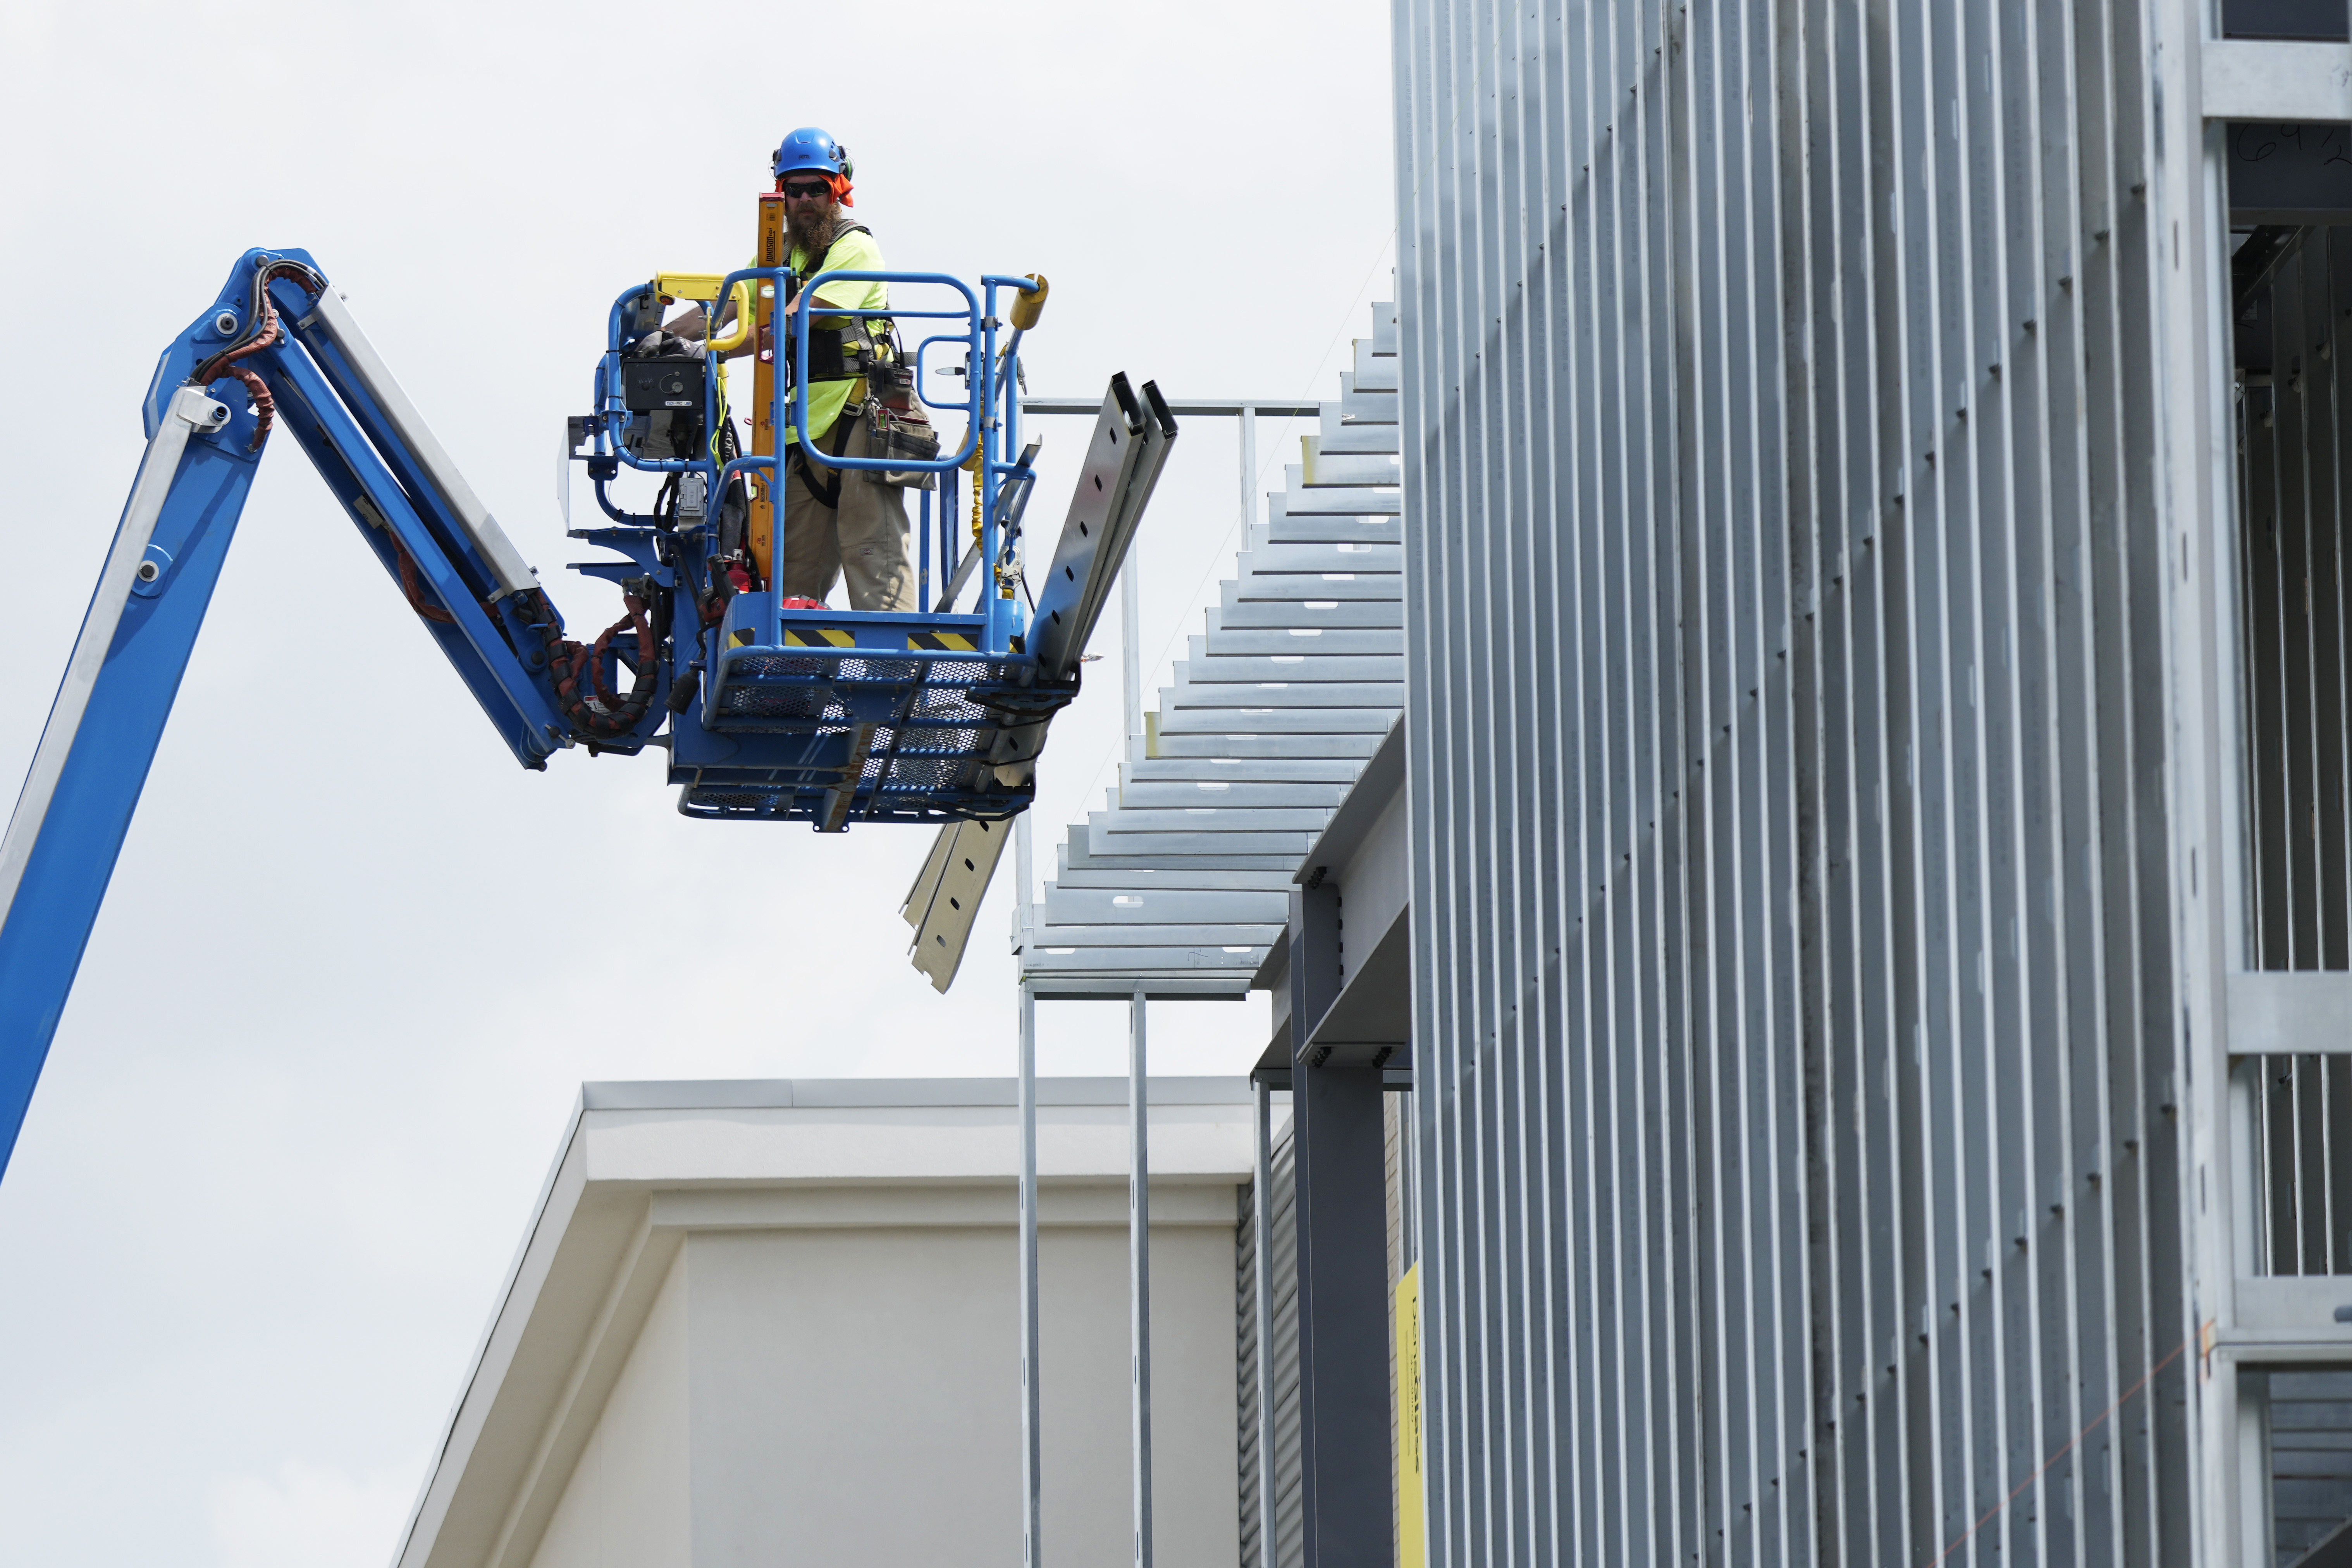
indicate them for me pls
(807, 190)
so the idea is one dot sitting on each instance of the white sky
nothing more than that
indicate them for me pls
(354, 962)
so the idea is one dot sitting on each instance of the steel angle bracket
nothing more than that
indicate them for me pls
(1158, 435)
(1129, 448)
(946, 896)
(1159, 431)
(1055, 636)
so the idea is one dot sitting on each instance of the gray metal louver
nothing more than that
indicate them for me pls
(1182, 881)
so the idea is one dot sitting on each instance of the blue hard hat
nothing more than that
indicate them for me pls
(811, 148)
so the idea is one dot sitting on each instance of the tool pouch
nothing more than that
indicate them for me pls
(904, 433)
(897, 423)
(891, 385)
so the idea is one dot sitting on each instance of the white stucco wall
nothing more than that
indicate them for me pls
(627, 1502)
(854, 1396)
(773, 1323)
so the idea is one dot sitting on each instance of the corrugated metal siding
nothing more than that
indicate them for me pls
(1795, 1038)
(2310, 1459)
(1289, 1548)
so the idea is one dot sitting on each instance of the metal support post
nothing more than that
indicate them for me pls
(1262, 1221)
(1130, 642)
(1032, 1488)
(1249, 471)
(1139, 1256)
(1346, 1487)
(1024, 878)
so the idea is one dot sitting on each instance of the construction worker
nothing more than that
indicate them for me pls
(838, 522)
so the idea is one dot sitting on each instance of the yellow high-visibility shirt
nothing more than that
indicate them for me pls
(853, 252)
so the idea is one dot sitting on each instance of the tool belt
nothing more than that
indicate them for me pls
(892, 408)
(901, 425)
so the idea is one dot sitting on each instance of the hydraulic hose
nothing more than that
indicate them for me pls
(264, 330)
(599, 709)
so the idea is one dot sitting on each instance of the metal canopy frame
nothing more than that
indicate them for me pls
(1359, 431)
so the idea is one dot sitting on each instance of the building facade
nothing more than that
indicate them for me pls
(774, 1322)
(1874, 667)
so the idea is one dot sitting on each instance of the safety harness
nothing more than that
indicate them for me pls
(829, 497)
(842, 353)
(835, 353)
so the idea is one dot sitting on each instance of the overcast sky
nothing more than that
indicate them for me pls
(354, 963)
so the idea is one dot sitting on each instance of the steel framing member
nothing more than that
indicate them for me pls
(1138, 1251)
(1247, 412)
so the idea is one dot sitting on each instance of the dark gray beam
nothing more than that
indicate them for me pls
(1343, 1289)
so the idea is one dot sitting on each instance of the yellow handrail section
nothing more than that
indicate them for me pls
(746, 320)
(704, 286)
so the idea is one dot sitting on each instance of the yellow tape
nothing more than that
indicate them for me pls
(940, 642)
(1412, 1544)
(819, 637)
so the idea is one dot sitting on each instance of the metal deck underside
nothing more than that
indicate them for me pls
(859, 718)
(1181, 882)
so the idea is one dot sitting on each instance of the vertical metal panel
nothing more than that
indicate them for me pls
(1793, 903)
(2294, 419)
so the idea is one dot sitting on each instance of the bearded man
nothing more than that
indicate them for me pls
(837, 523)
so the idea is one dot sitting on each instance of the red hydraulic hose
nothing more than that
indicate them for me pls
(265, 408)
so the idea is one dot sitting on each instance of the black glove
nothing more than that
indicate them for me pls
(658, 344)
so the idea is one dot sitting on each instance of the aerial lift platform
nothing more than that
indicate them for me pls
(770, 709)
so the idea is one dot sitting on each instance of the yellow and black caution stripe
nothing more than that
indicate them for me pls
(940, 642)
(819, 637)
(741, 637)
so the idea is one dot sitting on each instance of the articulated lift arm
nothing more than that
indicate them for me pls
(774, 710)
(278, 348)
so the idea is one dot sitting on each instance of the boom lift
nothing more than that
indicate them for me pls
(769, 710)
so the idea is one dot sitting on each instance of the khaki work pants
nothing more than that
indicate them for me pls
(863, 539)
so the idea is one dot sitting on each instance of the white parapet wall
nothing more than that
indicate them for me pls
(775, 1323)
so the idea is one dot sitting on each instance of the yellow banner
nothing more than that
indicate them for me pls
(1412, 1548)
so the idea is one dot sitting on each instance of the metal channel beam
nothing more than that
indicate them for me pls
(2245, 79)
(2285, 1012)
(1032, 1432)
(1138, 1277)
(1262, 1305)
(946, 896)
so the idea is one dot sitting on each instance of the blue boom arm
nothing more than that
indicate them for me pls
(776, 710)
(277, 348)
